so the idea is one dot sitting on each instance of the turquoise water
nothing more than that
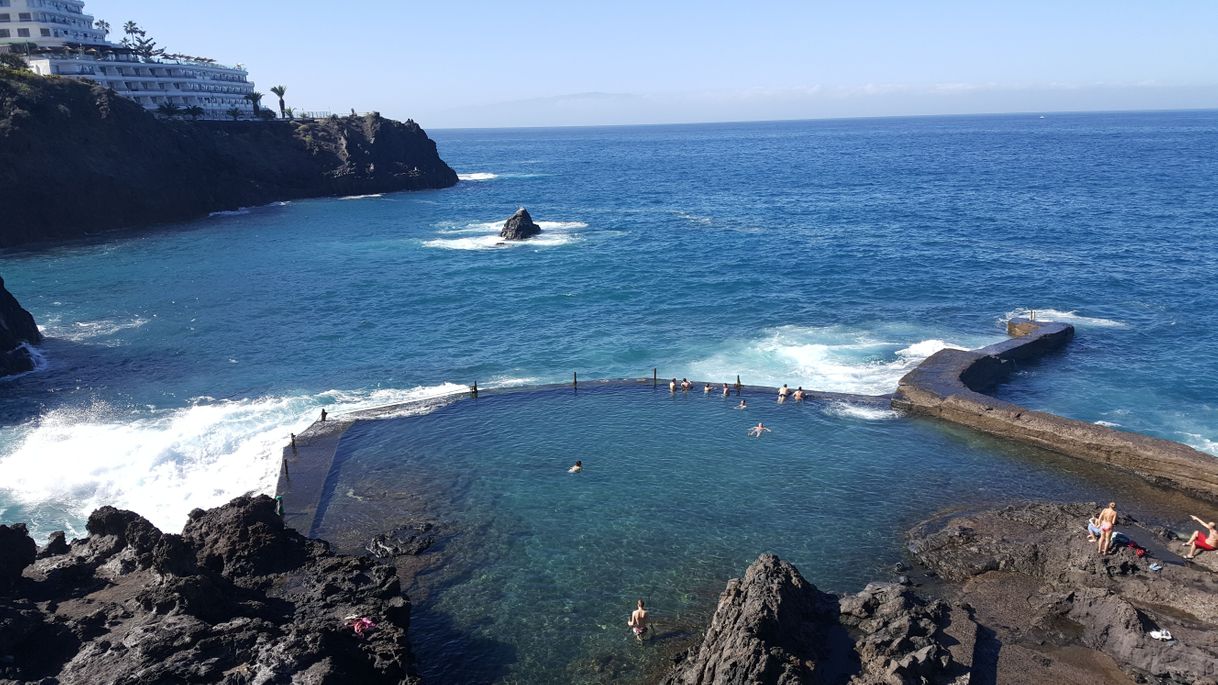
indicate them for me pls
(537, 569)
(829, 254)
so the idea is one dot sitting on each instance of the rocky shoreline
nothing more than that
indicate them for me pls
(77, 159)
(17, 332)
(1018, 596)
(236, 598)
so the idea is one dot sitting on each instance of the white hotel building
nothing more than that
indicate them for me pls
(67, 43)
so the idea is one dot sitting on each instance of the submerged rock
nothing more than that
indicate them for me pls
(406, 540)
(17, 330)
(237, 598)
(519, 226)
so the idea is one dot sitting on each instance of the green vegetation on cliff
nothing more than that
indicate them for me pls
(77, 159)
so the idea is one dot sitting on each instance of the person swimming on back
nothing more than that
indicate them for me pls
(742, 405)
(1202, 541)
(638, 621)
(579, 466)
(756, 431)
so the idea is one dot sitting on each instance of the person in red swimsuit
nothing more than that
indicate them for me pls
(1207, 541)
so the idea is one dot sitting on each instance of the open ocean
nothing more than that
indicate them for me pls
(829, 254)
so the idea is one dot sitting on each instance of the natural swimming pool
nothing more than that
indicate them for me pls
(537, 569)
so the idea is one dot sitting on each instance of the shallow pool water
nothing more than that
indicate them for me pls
(538, 569)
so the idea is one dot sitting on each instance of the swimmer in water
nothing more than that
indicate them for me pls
(672, 386)
(742, 405)
(707, 389)
(783, 392)
(726, 390)
(638, 621)
(686, 385)
(579, 466)
(756, 431)
(799, 394)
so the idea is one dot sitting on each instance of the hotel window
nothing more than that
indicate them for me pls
(6, 17)
(23, 33)
(4, 33)
(46, 33)
(23, 16)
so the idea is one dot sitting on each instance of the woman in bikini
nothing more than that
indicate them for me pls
(638, 622)
(1207, 541)
(1107, 519)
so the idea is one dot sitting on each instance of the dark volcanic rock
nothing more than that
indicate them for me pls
(1037, 557)
(772, 626)
(126, 168)
(519, 226)
(405, 540)
(17, 329)
(17, 550)
(237, 598)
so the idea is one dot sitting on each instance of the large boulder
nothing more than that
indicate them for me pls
(519, 226)
(17, 550)
(17, 330)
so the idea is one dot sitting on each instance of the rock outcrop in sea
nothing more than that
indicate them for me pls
(236, 598)
(76, 159)
(17, 331)
(519, 226)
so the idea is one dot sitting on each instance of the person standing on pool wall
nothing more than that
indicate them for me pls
(638, 621)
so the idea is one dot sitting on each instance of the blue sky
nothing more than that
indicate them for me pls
(476, 63)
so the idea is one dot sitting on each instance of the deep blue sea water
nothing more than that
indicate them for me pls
(828, 254)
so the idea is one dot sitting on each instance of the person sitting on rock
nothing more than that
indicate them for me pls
(1107, 519)
(579, 466)
(1202, 541)
(638, 621)
(1093, 529)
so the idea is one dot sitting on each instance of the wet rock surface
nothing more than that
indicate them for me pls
(236, 598)
(1036, 581)
(408, 539)
(519, 226)
(17, 330)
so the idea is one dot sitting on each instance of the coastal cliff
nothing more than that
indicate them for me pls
(76, 159)
(236, 598)
(17, 331)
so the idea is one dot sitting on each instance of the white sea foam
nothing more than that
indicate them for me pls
(830, 358)
(1072, 317)
(1107, 424)
(163, 463)
(485, 236)
(231, 212)
(362, 197)
(79, 331)
(477, 176)
(861, 411)
(41, 363)
(1200, 442)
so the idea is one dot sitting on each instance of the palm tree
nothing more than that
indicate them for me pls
(168, 110)
(103, 26)
(279, 91)
(255, 99)
(194, 112)
(234, 112)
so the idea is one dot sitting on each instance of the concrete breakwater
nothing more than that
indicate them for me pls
(950, 384)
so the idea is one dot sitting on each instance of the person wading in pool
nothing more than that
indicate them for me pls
(1202, 541)
(783, 392)
(1107, 519)
(672, 386)
(638, 622)
(726, 390)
